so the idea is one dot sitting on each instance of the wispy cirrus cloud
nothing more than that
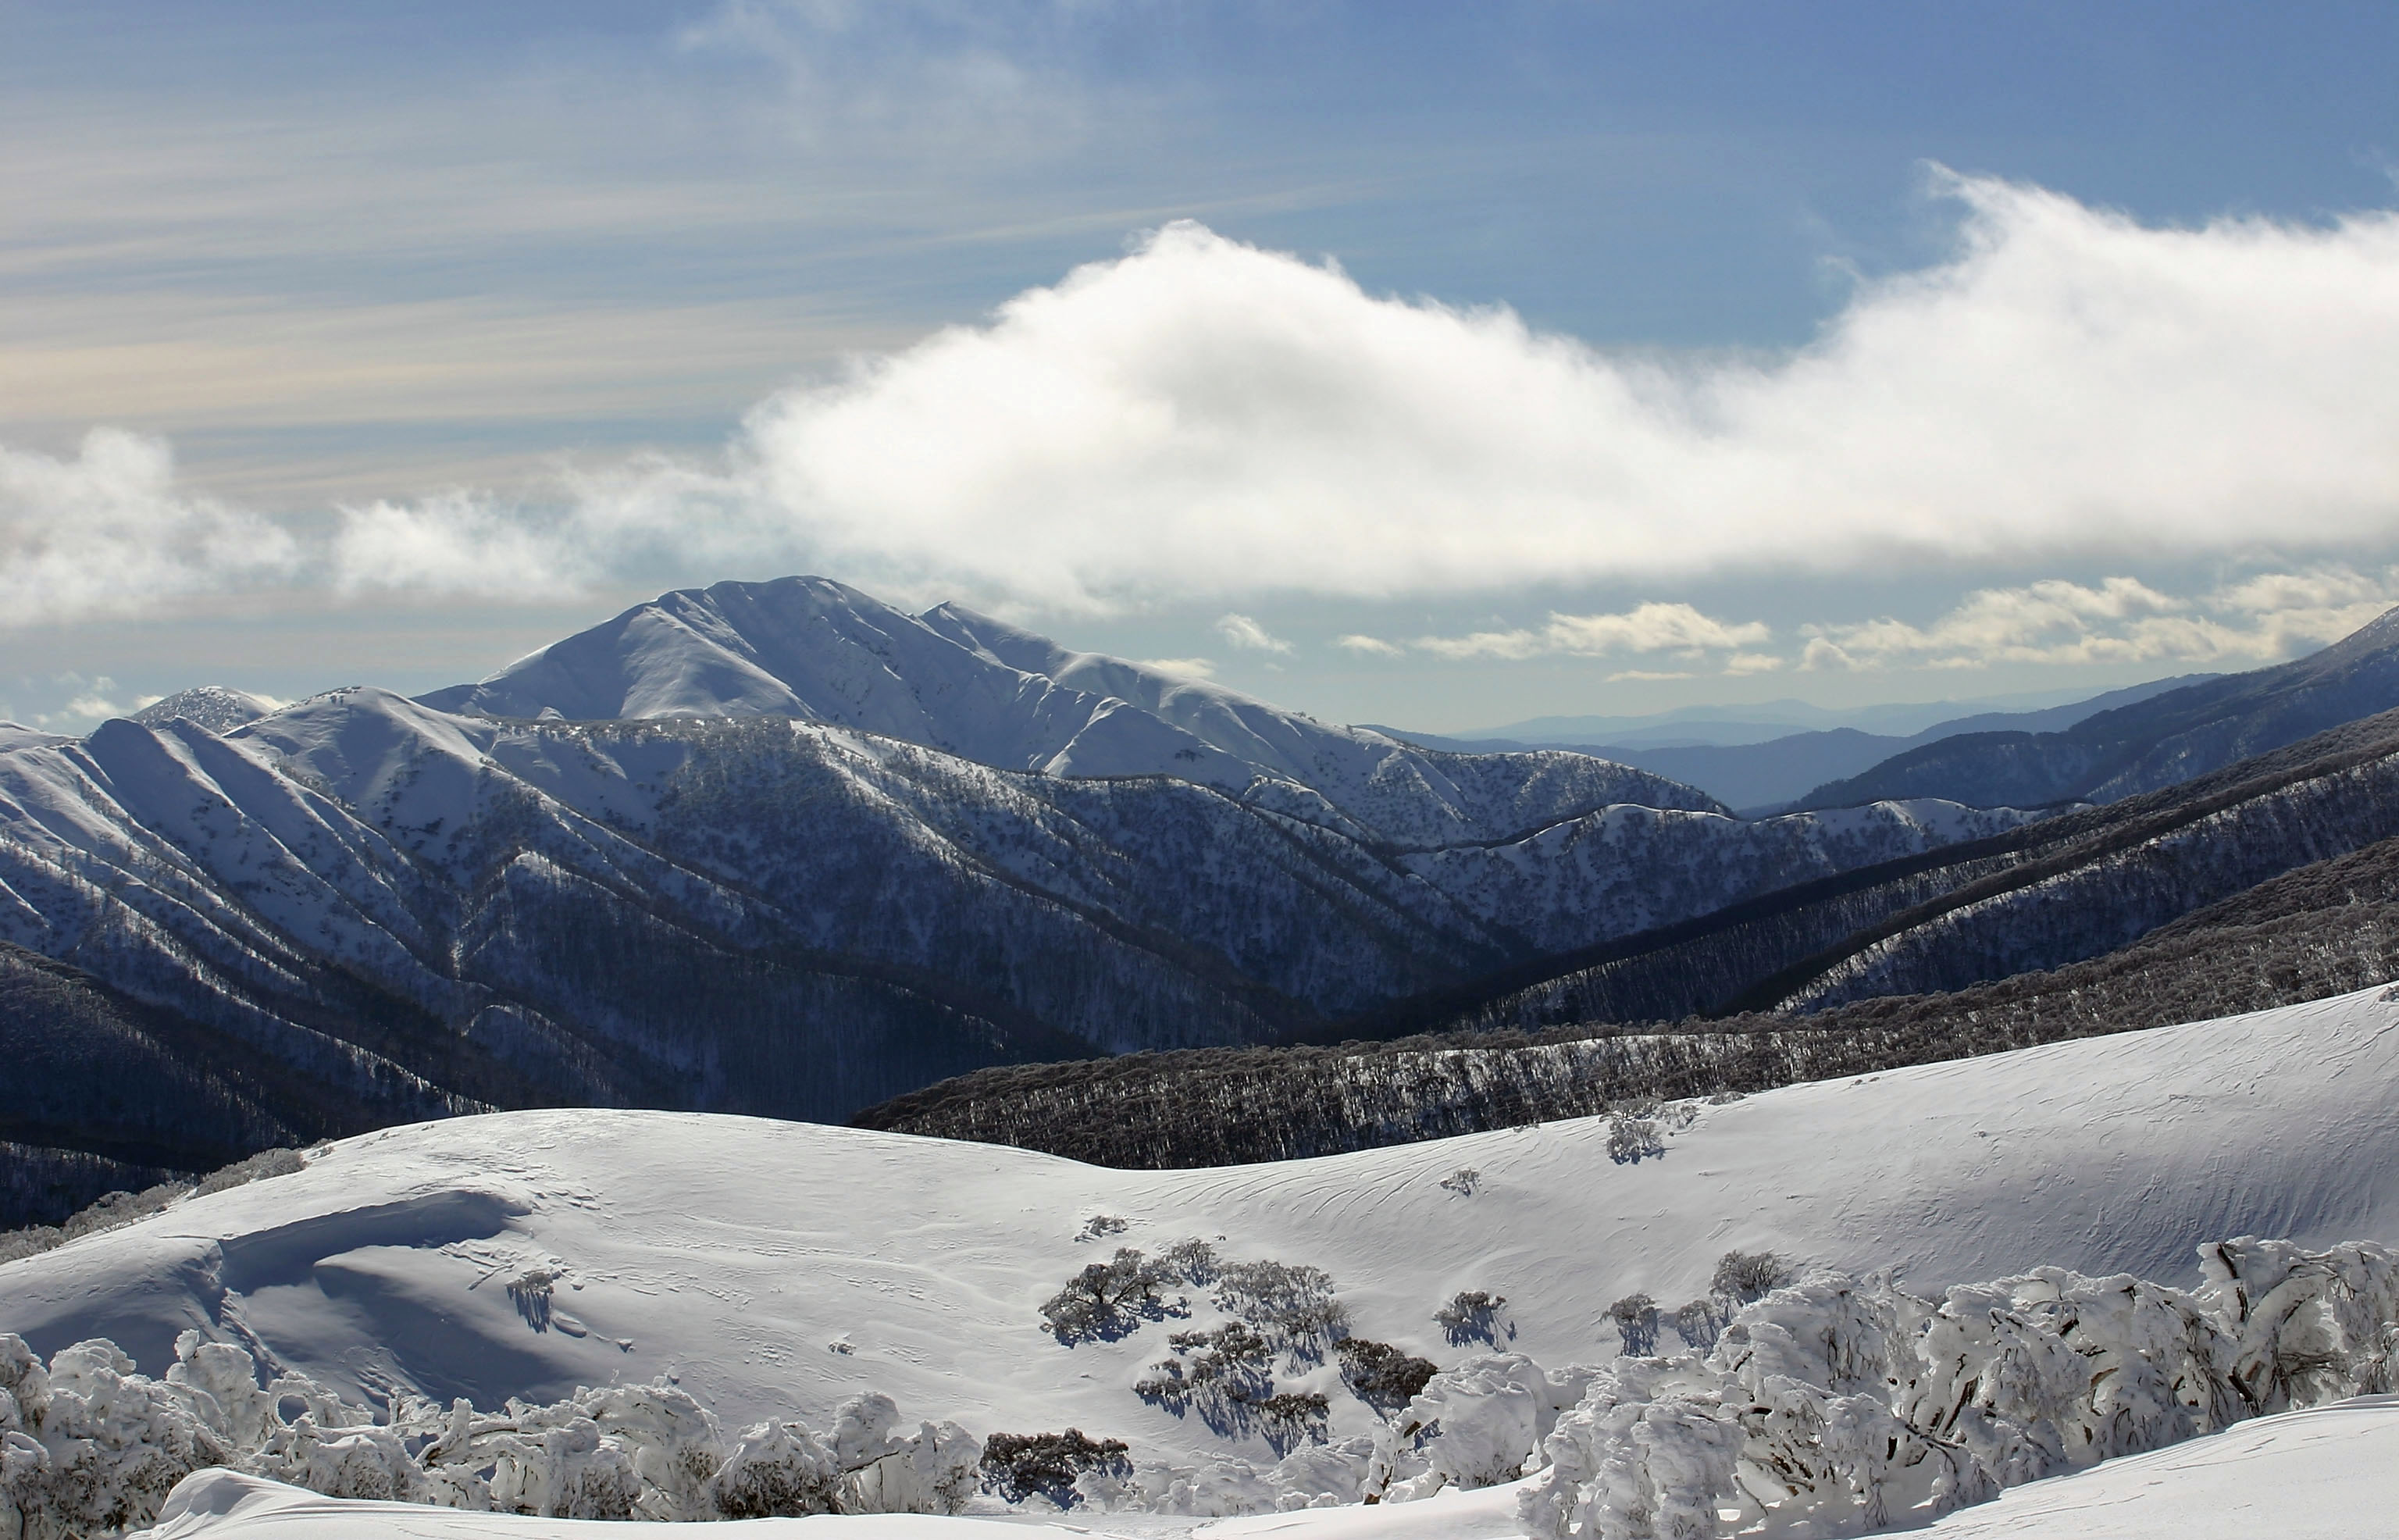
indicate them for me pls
(1245, 633)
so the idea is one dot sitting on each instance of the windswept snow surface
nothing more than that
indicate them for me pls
(778, 1268)
(2328, 1473)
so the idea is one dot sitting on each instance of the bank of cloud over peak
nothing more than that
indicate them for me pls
(1204, 420)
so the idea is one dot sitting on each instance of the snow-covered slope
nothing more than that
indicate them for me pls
(779, 1268)
(404, 910)
(2327, 1473)
(968, 685)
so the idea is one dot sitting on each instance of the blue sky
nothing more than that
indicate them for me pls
(373, 279)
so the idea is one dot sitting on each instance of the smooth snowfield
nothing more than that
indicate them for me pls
(781, 1268)
(2329, 1473)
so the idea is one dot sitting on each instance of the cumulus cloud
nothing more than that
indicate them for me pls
(1244, 632)
(1201, 417)
(2119, 620)
(1647, 628)
(108, 532)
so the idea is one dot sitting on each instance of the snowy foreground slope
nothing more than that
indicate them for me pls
(779, 1269)
(2329, 1473)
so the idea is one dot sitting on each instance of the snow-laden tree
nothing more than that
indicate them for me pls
(88, 1447)
(1855, 1402)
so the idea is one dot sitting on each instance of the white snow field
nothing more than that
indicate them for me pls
(779, 1270)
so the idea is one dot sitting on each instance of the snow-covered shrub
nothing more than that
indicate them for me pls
(1636, 1322)
(1108, 1299)
(2304, 1322)
(31, 1242)
(88, 1448)
(1742, 1276)
(934, 1471)
(1462, 1180)
(1853, 1403)
(1024, 1465)
(265, 1163)
(776, 1470)
(1632, 1140)
(1472, 1314)
(1293, 1305)
(1099, 1226)
(1477, 1425)
(1381, 1376)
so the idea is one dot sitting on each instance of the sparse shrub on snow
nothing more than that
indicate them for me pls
(530, 1292)
(1292, 1418)
(1293, 1305)
(1101, 1225)
(1024, 1465)
(1636, 1322)
(1381, 1376)
(1193, 1261)
(1108, 1299)
(1472, 1314)
(1214, 1371)
(1632, 1140)
(1699, 1322)
(1462, 1180)
(1742, 1276)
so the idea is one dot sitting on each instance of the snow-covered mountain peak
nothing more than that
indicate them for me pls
(212, 706)
(982, 689)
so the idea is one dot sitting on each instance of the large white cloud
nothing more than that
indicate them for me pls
(1204, 416)
(109, 532)
(1202, 419)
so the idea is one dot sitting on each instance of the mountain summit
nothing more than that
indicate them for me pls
(982, 690)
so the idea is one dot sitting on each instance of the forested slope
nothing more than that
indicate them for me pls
(2326, 929)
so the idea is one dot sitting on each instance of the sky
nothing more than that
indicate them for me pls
(1437, 365)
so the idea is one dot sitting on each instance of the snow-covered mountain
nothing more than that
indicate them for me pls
(212, 706)
(778, 1270)
(819, 651)
(364, 908)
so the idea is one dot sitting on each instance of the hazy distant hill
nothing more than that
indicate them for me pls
(2141, 747)
(1758, 768)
